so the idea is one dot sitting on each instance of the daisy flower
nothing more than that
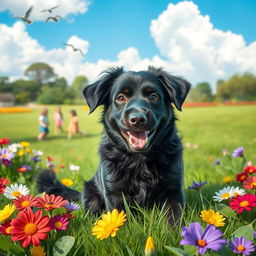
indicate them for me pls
(24, 202)
(212, 217)
(211, 238)
(250, 169)
(37, 152)
(241, 203)
(238, 152)
(250, 183)
(150, 247)
(30, 227)
(16, 190)
(14, 147)
(109, 224)
(240, 177)
(228, 193)
(197, 186)
(67, 182)
(242, 246)
(37, 251)
(58, 222)
(49, 202)
(70, 206)
(6, 228)
(6, 212)
(6, 156)
(74, 168)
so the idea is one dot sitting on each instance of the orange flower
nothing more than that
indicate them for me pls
(250, 169)
(49, 202)
(250, 183)
(240, 177)
(30, 227)
(24, 202)
(6, 228)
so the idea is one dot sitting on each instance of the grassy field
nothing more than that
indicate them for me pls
(205, 131)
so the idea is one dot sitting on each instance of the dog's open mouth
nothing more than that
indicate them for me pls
(136, 139)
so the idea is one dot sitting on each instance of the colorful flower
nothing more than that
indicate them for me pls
(227, 179)
(2, 188)
(25, 144)
(4, 181)
(242, 246)
(250, 183)
(6, 156)
(212, 217)
(4, 141)
(150, 247)
(58, 222)
(240, 177)
(211, 238)
(49, 158)
(217, 161)
(6, 212)
(70, 206)
(241, 203)
(30, 227)
(24, 168)
(197, 186)
(67, 182)
(109, 224)
(49, 164)
(35, 159)
(37, 152)
(14, 147)
(24, 202)
(37, 251)
(49, 202)
(16, 190)
(74, 168)
(224, 152)
(21, 152)
(238, 152)
(228, 193)
(250, 169)
(6, 228)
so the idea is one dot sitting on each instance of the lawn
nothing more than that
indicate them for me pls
(205, 133)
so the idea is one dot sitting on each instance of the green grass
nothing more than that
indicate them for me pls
(211, 128)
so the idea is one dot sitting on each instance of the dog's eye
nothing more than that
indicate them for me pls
(121, 98)
(153, 97)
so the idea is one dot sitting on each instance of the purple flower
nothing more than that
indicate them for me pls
(242, 246)
(35, 159)
(197, 186)
(211, 238)
(217, 161)
(254, 233)
(238, 152)
(6, 156)
(70, 206)
(49, 164)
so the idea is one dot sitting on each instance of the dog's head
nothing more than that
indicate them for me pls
(137, 104)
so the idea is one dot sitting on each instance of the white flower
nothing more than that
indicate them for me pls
(15, 191)
(37, 152)
(74, 168)
(228, 193)
(14, 147)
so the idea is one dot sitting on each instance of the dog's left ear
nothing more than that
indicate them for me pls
(176, 87)
(97, 94)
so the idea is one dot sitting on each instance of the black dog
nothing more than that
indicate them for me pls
(141, 153)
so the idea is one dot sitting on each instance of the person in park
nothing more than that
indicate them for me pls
(58, 121)
(43, 124)
(73, 126)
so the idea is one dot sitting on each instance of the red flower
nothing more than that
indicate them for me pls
(4, 141)
(2, 188)
(69, 216)
(49, 158)
(49, 202)
(6, 228)
(30, 227)
(24, 202)
(250, 169)
(250, 183)
(61, 166)
(241, 203)
(58, 222)
(4, 181)
(240, 177)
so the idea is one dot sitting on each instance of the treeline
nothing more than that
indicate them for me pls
(236, 88)
(44, 86)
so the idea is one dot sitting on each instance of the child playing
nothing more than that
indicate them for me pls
(58, 121)
(73, 126)
(43, 124)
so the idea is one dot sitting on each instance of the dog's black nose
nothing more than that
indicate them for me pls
(137, 119)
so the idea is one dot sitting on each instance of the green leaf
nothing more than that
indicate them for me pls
(225, 210)
(177, 251)
(63, 245)
(9, 246)
(190, 249)
(246, 231)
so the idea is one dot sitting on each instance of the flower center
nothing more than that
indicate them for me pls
(58, 224)
(8, 230)
(240, 248)
(243, 177)
(4, 156)
(244, 203)
(253, 185)
(49, 205)
(16, 193)
(25, 203)
(201, 243)
(30, 229)
(225, 195)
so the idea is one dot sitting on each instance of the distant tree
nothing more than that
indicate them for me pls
(61, 82)
(202, 92)
(5, 84)
(54, 95)
(40, 72)
(78, 84)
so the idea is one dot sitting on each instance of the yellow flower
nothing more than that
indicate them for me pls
(37, 251)
(67, 182)
(7, 212)
(25, 144)
(150, 247)
(109, 224)
(21, 152)
(28, 150)
(213, 218)
(227, 179)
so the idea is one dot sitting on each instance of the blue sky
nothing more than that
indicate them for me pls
(202, 40)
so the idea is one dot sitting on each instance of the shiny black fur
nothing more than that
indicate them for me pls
(145, 176)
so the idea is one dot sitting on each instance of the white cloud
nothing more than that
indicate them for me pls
(66, 7)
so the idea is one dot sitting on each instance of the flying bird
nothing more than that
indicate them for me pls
(74, 48)
(54, 18)
(50, 9)
(26, 17)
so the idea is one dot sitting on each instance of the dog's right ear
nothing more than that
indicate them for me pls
(97, 94)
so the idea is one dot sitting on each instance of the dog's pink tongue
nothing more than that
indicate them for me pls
(138, 139)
